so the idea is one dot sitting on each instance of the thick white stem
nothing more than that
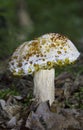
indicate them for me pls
(44, 85)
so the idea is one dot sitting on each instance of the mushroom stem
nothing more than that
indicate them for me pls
(44, 85)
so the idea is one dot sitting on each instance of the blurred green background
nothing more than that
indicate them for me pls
(22, 20)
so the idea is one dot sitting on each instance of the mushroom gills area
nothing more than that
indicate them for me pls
(44, 85)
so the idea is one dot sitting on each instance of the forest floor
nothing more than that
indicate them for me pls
(19, 110)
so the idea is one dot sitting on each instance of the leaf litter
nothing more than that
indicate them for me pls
(21, 111)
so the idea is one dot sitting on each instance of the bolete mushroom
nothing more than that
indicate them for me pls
(39, 57)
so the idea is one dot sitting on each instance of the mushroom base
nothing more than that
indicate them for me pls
(44, 85)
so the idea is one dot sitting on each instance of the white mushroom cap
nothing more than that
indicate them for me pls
(45, 52)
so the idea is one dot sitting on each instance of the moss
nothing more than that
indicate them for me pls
(8, 92)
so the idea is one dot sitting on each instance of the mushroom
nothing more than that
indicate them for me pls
(39, 57)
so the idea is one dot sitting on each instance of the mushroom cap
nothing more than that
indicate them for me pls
(44, 52)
